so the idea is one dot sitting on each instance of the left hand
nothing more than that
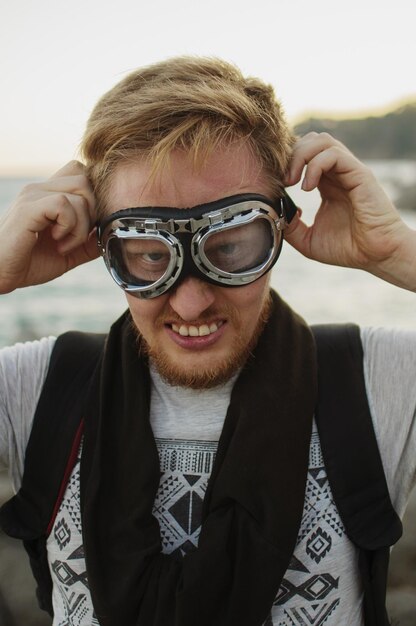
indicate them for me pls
(356, 224)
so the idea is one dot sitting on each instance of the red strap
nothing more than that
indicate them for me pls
(68, 470)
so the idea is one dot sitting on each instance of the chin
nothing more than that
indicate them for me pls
(202, 370)
(197, 376)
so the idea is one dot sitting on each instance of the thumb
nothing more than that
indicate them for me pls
(297, 234)
(85, 253)
(91, 247)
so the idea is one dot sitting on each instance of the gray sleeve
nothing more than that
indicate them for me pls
(23, 370)
(390, 374)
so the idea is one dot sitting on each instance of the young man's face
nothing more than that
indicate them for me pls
(197, 334)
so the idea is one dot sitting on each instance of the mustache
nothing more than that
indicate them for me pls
(169, 316)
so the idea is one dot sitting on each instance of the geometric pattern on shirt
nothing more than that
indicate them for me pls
(70, 579)
(185, 469)
(312, 615)
(318, 501)
(75, 608)
(315, 588)
(72, 502)
(67, 576)
(62, 533)
(68, 571)
(309, 593)
(318, 545)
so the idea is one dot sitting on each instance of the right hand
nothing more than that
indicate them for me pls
(356, 224)
(49, 229)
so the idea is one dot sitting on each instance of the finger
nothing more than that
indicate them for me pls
(316, 142)
(306, 149)
(76, 184)
(70, 185)
(298, 236)
(73, 221)
(290, 227)
(65, 215)
(337, 161)
(72, 168)
(81, 254)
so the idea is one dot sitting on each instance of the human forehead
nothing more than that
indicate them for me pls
(182, 184)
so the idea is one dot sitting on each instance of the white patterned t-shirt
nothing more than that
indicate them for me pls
(322, 575)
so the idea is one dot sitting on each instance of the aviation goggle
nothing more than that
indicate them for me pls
(230, 242)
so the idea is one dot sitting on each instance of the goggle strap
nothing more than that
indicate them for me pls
(289, 207)
(284, 206)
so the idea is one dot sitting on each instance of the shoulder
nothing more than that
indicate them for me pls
(23, 371)
(390, 371)
(390, 363)
(388, 343)
(26, 361)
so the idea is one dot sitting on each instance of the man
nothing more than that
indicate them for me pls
(186, 165)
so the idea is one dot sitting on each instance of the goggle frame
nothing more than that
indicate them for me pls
(195, 225)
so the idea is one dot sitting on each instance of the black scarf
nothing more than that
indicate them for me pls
(254, 501)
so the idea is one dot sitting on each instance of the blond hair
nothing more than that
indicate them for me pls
(190, 103)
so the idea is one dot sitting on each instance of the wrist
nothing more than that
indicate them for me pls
(400, 268)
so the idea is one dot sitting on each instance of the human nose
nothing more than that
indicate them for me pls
(191, 298)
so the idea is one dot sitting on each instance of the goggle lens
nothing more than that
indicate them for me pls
(139, 261)
(239, 249)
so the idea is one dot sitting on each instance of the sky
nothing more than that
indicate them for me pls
(59, 57)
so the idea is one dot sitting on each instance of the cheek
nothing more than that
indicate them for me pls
(250, 299)
(145, 312)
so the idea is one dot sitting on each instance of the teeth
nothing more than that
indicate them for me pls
(196, 331)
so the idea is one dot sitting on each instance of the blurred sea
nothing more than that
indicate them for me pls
(87, 298)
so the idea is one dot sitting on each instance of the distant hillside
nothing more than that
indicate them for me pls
(391, 136)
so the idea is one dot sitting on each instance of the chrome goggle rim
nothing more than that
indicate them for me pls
(167, 279)
(235, 278)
